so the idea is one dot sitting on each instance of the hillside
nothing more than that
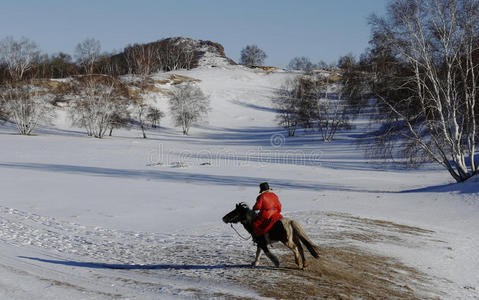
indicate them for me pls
(126, 217)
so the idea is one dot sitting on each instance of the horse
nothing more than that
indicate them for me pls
(287, 231)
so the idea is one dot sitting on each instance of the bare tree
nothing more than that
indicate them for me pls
(175, 53)
(188, 104)
(19, 56)
(141, 110)
(430, 92)
(87, 53)
(97, 99)
(140, 93)
(354, 88)
(154, 115)
(252, 55)
(121, 117)
(26, 105)
(306, 101)
(332, 110)
(301, 63)
(287, 106)
(141, 59)
(322, 64)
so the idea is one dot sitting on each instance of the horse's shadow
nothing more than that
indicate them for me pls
(93, 265)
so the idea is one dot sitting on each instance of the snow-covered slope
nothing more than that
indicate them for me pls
(141, 218)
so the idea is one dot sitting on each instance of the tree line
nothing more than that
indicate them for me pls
(22, 59)
(308, 102)
(98, 99)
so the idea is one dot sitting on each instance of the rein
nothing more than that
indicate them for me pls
(231, 224)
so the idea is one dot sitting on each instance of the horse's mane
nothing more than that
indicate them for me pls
(243, 205)
(249, 214)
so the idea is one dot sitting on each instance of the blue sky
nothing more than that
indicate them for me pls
(318, 29)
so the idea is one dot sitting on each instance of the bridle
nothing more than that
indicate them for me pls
(231, 224)
(242, 237)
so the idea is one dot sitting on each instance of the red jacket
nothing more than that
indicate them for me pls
(269, 212)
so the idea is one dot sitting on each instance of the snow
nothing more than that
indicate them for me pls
(141, 218)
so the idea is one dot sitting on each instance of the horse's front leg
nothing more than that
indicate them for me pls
(271, 256)
(263, 246)
(258, 256)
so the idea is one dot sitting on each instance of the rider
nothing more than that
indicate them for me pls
(269, 207)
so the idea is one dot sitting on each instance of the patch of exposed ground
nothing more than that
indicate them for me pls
(342, 273)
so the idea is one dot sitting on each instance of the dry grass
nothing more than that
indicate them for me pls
(175, 79)
(266, 69)
(334, 78)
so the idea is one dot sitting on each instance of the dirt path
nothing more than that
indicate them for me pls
(351, 272)
(342, 273)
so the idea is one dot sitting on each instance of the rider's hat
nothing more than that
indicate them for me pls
(264, 186)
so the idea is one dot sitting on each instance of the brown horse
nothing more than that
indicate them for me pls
(287, 231)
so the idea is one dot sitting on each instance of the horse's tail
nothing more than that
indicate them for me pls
(299, 232)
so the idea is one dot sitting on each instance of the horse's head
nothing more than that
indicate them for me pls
(238, 214)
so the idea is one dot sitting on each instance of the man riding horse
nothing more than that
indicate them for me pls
(269, 207)
(268, 226)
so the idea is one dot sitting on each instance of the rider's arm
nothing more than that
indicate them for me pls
(259, 203)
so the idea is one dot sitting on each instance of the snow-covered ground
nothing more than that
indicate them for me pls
(126, 217)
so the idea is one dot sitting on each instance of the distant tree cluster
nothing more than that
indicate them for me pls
(303, 63)
(305, 102)
(21, 59)
(165, 55)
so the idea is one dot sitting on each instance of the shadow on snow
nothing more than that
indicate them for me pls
(93, 265)
(178, 176)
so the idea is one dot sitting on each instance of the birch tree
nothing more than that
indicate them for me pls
(429, 91)
(97, 99)
(87, 53)
(19, 56)
(188, 105)
(26, 105)
(287, 106)
(332, 111)
(174, 54)
(141, 59)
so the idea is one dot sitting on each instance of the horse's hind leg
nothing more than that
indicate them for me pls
(258, 256)
(297, 242)
(291, 245)
(290, 242)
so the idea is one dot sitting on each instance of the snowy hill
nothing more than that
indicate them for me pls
(126, 217)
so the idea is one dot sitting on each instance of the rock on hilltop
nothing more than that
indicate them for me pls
(207, 53)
